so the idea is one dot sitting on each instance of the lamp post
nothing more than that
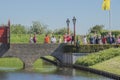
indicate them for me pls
(8, 33)
(68, 21)
(74, 22)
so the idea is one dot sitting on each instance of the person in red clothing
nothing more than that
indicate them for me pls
(104, 40)
(47, 39)
(65, 38)
(69, 38)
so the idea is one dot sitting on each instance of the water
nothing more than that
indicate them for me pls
(49, 73)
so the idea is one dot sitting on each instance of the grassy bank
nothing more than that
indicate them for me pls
(98, 57)
(15, 63)
(106, 60)
(24, 38)
(112, 65)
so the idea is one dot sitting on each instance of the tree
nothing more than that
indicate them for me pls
(61, 31)
(17, 29)
(38, 28)
(96, 28)
(48, 31)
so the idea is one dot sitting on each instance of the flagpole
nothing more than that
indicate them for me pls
(110, 20)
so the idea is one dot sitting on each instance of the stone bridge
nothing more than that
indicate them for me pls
(29, 53)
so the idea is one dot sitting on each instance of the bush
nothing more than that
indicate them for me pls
(95, 58)
(87, 48)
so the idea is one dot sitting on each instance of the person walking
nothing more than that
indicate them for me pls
(47, 39)
(65, 38)
(53, 39)
(118, 40)
(59, 39)
(85, 40)
(31, 39)
(34, 38)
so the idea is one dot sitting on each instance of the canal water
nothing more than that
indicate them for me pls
(49, 72)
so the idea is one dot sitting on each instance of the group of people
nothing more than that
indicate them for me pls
(47, 39)
(52, 39)
(105, 39)
(67, 38)
(32, 39)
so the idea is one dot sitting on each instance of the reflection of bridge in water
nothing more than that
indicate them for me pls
(28, 53)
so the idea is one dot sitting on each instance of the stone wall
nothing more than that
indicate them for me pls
(28, 53)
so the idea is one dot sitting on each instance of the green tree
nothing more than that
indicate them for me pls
(48, 31)
(17, 29)
(38, 28)
(60, 31)
(96, 28)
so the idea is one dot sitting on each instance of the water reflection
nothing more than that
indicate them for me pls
(50, 72)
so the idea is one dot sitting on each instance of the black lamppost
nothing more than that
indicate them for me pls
(8, 34)
(74, 22)
(68, 21)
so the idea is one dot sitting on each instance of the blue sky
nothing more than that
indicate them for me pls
(55, 12)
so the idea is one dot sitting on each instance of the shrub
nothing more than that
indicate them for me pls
(87, 48)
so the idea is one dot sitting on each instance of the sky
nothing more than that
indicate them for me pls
(55, 12)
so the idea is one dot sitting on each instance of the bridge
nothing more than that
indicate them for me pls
(29, 53)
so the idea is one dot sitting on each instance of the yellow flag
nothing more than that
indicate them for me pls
(106, 5)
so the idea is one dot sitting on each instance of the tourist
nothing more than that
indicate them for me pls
(53, 39)
(91, 40)
(68, 38)
(72, 39)
(113, 39)
(47, 39)
(59, 39)
(118, 40)
(85, 40)
(77, 42)
(97, 40)
(34, 38)
(31, 39)
(100, 39)
(104, 40)
(109, 38)
(65, 38)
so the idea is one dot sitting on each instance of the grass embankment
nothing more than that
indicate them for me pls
(106, 60)
(112, 65)
(15, 63)
(24, 38)
(98, 57)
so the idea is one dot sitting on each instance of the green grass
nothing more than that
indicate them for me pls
(11, 63)
(38, 63)
(44, 66)
(41, 63)
(112, 65)
(24, 38)
(98, 57)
